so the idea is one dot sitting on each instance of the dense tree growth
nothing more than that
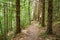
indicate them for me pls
(17, 15)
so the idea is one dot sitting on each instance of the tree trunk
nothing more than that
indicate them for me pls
(29, 12)
(35, 9)
(18, 29)
(5, 22)
(43, 13)
(50, 11)
(39, 11)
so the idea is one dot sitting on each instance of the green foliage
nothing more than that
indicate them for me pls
(56, 11)
(11, 13)
(24, 13)
(43, 35)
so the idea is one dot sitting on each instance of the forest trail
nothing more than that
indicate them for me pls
(30, 33)
(33, 32)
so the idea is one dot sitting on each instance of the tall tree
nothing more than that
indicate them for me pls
(39, 11)
(18, 29)
(35, 9)
(5, 22)
(29, 11)
(43, 13)
(50, 11)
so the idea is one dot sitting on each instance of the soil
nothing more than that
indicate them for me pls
(33, 32)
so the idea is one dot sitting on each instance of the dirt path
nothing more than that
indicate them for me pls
(34, 33)
(31, 33)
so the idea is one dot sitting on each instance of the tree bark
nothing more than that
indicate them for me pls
(18, 29)
(39, 10)
(35, 9)
(29, 12)
(43, 13)
(50, 12)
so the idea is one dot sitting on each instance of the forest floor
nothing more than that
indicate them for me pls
(33, 32)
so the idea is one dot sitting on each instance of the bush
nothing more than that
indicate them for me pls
(56, 29)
